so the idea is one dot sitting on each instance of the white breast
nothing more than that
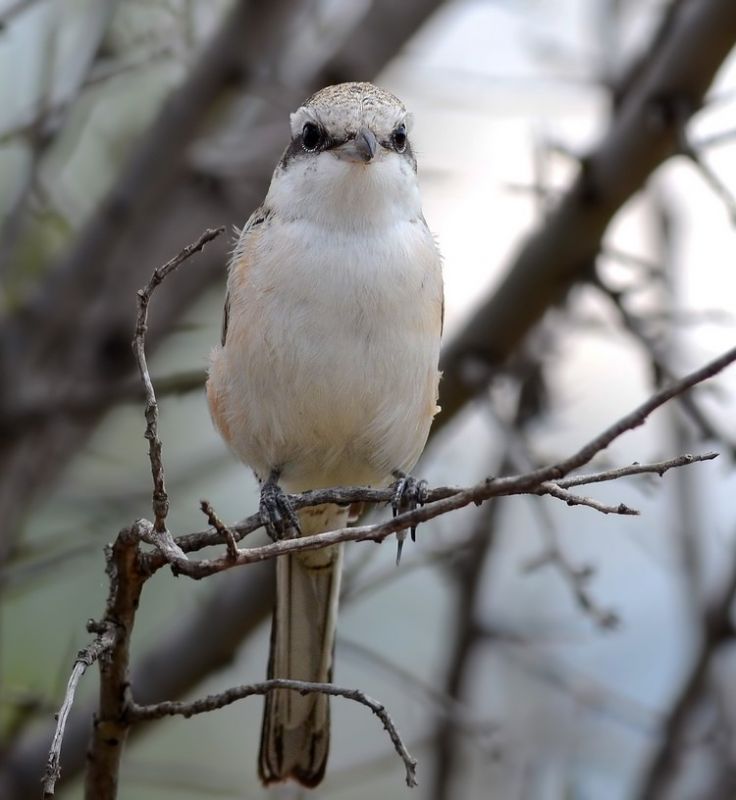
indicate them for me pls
(332, 353)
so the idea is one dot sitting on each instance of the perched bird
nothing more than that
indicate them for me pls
(327, 371)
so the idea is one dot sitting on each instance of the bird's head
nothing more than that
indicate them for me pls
(349, 159)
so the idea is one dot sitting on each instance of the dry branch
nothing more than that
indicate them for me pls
(85, 658)
(160, 496)
(191, 542)
(136, 713)
(656, 468)
(492, 487)
(109, 729)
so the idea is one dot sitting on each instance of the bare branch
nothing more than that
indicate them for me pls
(657, 468)
(160, 497)
(136, 713)
(192, 542)
(221, 528)
(85, 658)
(109, 731)
(555, 490)
(492, 487)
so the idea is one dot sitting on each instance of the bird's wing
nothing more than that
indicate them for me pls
(238, 261)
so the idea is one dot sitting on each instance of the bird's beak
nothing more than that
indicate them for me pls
(362, 148)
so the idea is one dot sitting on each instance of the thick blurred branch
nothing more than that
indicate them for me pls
(669, 86)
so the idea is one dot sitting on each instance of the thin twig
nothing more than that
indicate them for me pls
(658, 468)
(160, 497)
(576, 577)
(555, 490)
(85, 658)
(635, 326)
(221, 528)
(136, 713)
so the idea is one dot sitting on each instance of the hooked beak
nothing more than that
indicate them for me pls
(362, 148)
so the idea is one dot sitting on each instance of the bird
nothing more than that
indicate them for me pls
(327, 371)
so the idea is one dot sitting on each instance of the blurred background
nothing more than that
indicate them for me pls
(577, 160)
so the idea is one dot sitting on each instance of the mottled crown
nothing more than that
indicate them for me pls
(362, 95)
(350, 106)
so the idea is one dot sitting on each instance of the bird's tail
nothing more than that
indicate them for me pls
(295, 737)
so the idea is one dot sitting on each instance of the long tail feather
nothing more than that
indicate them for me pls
(295, 737)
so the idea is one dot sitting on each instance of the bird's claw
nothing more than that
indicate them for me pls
(277, 513)
(409, 493)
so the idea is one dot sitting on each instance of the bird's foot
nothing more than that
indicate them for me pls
(409, 493)
(276, 511)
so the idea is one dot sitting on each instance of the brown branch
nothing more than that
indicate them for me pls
(123, 565)
(170, 668)
(191, 542)
(109, 729)
(221, 528)
(85, 658)
(160, 496)
(136, 713)
(469, 570)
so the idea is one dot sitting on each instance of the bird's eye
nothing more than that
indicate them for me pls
(311, 137)
(398, 137)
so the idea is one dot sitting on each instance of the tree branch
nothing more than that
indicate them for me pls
(160, 496)
(491, 487)
(85, 658)
(136, 713)
(109, 729)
